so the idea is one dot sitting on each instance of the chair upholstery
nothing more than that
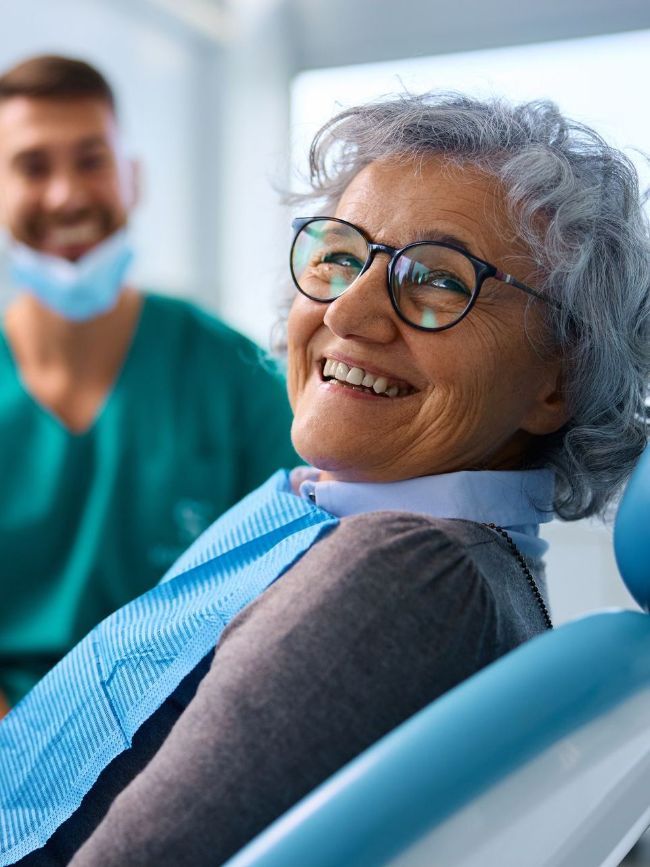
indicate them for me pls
(632, 534)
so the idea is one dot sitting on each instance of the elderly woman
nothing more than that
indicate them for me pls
(468, 346)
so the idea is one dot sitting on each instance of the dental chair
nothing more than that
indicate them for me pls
(543, 758)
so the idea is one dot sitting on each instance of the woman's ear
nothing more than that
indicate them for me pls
(549, 411)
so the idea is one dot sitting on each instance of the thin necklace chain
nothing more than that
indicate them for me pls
(528, 574)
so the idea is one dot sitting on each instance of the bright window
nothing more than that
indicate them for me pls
(598, 80)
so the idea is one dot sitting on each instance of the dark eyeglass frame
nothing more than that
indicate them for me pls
(482, 269)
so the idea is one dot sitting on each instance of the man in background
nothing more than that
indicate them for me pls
(128, 421)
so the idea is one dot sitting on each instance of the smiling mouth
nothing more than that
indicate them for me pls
(80, 234)
(359, 379)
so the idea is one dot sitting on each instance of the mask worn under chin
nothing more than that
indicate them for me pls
(75, 290)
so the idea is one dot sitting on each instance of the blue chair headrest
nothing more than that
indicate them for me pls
(632, 533)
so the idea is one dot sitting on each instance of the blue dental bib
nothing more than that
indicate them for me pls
(83, 713)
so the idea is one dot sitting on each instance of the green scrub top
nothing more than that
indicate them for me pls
(88, 521)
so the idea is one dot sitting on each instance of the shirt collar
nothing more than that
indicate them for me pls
(517, 500)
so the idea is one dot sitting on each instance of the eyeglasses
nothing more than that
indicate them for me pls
(432, 285)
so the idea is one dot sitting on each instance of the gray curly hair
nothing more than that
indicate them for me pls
(575, 201)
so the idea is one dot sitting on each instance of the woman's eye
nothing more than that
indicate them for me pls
(345, 260)
(442, 280)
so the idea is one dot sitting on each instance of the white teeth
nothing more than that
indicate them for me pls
(355, 376)
(358, 376)
(341, 371)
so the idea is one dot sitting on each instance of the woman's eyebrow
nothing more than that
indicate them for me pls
(443, 238)
(333, 231)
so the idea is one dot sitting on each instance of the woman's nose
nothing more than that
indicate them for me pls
(364, 310)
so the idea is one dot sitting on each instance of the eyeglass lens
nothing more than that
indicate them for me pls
(432, 285)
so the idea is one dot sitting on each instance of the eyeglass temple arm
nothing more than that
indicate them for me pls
(512, 281)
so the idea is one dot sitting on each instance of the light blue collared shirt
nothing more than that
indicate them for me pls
(517, 500)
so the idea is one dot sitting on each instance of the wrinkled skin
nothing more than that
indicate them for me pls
(482, 389)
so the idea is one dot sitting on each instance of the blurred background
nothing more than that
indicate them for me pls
(219, 99)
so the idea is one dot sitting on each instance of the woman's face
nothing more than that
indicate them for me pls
(470, 397)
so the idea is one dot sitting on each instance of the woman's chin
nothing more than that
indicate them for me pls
(342, 462)
(337, 460)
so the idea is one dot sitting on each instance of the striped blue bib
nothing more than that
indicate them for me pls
(57, 741)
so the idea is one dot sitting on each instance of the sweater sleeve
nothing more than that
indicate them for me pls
(374, 622)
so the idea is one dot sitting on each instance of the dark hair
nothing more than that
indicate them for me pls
(50, 76)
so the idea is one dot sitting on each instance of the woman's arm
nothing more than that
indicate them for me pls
(374, 622)
(4, 705)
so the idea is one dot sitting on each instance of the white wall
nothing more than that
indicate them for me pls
(254, 169)
(598, 80)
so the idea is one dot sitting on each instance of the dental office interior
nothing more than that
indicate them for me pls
(219, 99)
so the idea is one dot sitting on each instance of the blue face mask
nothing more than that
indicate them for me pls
(75, 290)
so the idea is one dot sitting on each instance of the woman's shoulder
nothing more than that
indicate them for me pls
(396, 544)
(452, 558)
(390, 529)
(457, 549)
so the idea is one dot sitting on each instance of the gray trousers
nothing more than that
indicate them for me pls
(374, 622)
